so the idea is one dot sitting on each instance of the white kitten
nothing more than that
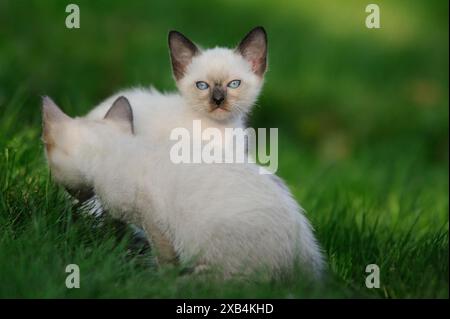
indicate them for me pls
(224, 216)
(218, 86)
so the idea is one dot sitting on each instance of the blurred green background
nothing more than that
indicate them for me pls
(362, 116)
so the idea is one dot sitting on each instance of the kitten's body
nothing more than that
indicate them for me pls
(219, 215)
(224, 216)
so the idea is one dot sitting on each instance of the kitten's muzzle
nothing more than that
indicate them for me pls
(218, 96)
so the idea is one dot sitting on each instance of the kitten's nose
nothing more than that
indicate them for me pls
(218, 100)
(218, 95)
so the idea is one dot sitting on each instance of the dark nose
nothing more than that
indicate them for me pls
(218, 95)
(218, 100)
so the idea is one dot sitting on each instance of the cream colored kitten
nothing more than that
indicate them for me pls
(222, 216)
(218, 86)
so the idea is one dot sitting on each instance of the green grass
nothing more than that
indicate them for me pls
(363, 121)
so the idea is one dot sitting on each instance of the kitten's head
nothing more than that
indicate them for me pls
(72, 143)
(222, 83)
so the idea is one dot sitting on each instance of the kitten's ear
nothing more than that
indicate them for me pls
(121, 114)
(51, 112)
(51, 115)
(182, 50)
(254, 49)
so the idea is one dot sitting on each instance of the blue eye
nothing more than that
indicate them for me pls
(202, 85)
(234, 84)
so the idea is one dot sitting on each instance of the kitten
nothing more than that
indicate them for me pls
(223, 216)
(218, 86)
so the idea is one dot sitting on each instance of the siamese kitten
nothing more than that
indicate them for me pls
(225, 217)
(218, 86)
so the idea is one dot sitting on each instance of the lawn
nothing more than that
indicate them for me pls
(362, 117)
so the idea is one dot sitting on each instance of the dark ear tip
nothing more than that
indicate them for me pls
(120, 103)
(260, 28)
(122, 99)
(175, 34)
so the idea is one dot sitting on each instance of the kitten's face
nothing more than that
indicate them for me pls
(221, 83)
(70, 144)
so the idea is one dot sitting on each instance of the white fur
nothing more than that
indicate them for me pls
(220, 215)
